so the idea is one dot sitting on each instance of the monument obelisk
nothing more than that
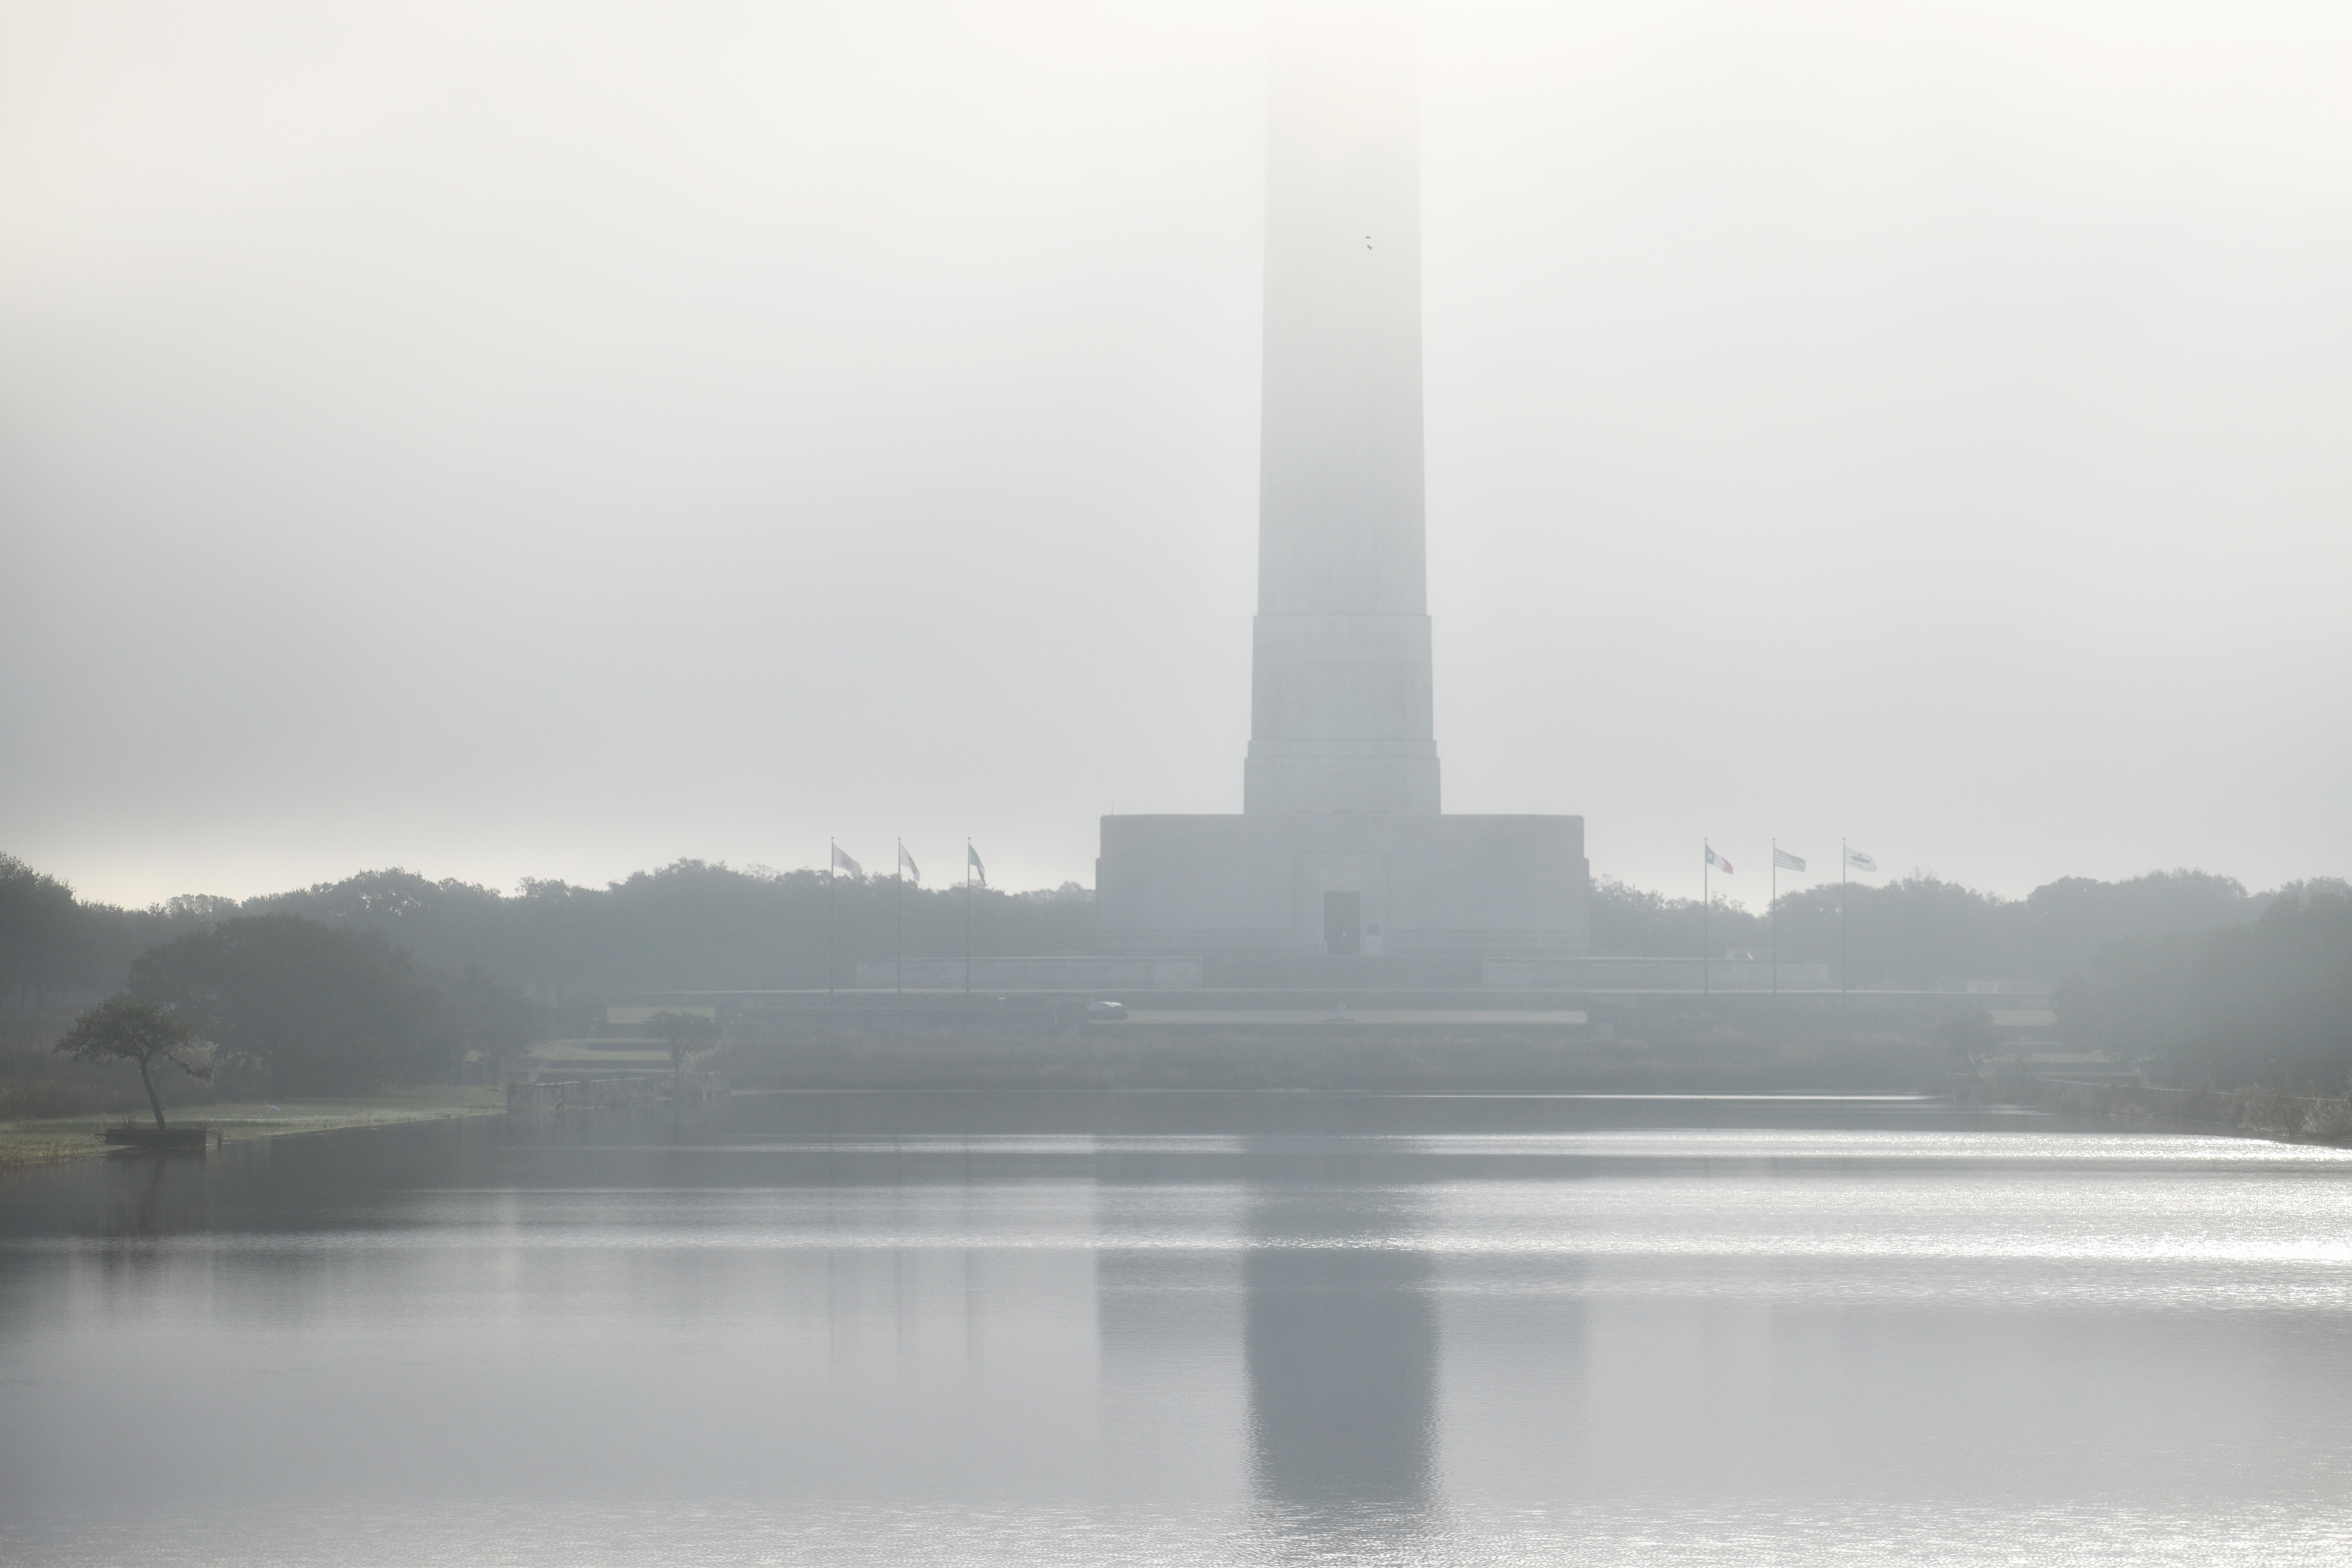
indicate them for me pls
(1340, 711)
(1339, 849)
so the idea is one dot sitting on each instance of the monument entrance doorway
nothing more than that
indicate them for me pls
(1343, 922)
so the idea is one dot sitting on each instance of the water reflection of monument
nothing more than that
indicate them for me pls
(1341, 1340)
(1339, 846)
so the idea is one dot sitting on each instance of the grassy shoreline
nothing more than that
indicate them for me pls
(2252, 1113)
(27, 1142)
(42, 1141)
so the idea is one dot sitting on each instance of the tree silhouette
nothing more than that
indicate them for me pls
(140, 1032)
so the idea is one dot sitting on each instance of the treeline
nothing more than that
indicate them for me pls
(690, 926)
(387, 977)
(323, 1009)
(694, 926)
(285, 1006)
(2267, 1003)
(53, 944)
(1912, 932)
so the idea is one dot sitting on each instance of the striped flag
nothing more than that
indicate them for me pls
(1718, 862)
(1784, 861)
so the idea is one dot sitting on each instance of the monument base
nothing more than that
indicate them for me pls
(1342, 884)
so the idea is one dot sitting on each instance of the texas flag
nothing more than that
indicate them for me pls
(1718, 862)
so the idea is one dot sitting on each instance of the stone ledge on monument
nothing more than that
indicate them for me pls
(1077, 972)
(1602, 973)
(1342, 750)
(1338, 974)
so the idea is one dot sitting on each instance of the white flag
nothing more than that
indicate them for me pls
(1786, 861)
(907, 864)
(971, 858)
(1718, 862)
(842, 861)
(1860, 861)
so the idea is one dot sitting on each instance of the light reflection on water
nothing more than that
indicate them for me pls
(1185, 1330)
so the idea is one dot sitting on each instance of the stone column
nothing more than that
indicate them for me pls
(1340, 709)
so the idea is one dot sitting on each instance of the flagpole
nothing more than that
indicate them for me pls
(1775, 926)
(1842, 854)
(899, 905)
(832, 850)
(1706, 914)
(967, 921)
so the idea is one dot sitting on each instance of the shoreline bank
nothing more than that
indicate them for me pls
(50, 1139)
(2302, 1119)
(2260, 1113)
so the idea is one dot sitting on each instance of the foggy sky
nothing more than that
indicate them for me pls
(548, 440)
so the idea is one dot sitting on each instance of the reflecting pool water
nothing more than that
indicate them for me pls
(1185, 1328)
